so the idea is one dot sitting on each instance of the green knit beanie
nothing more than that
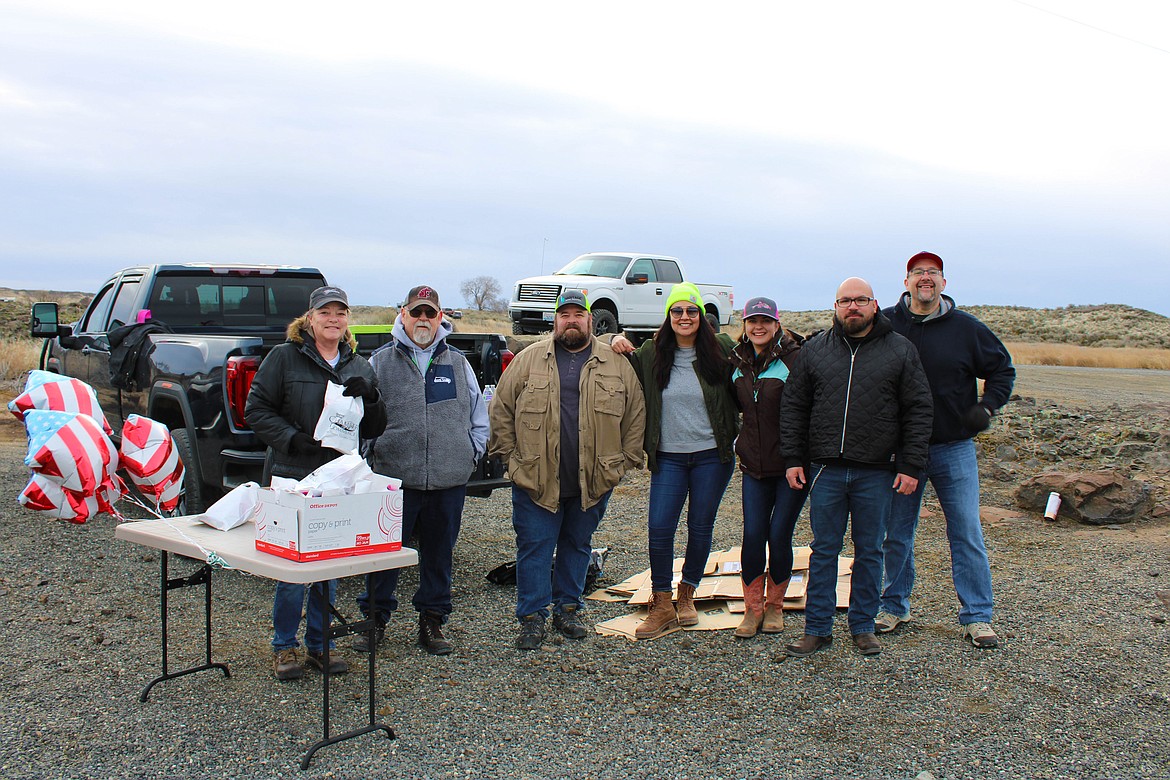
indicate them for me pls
(684, 292)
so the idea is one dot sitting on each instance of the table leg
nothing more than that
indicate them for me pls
(366, 626)
(200, 577)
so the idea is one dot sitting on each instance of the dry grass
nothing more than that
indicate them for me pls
(1032, 354)
(18, 356)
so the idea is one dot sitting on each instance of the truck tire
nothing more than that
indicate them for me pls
(192, 501)
(711, 318)
(604, 322)
(517, 329)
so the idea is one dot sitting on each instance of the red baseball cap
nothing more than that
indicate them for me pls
(930, 256)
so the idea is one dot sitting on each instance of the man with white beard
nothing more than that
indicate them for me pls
(568, 418)
(438, 432)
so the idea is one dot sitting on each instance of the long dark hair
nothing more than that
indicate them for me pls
(713, 368)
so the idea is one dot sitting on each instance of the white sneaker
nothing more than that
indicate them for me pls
(885, 622)
(980, 635)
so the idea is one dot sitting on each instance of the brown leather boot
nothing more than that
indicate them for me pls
(753, 612)
(774, 607)
(687, 614)
(661, 619)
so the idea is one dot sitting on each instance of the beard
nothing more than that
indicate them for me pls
(572, 338)
(853, 326)
(422, 335)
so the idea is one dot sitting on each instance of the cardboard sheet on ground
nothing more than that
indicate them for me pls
(720, 592)
(713, 616)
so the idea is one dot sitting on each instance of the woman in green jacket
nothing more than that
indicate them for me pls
(690, 432)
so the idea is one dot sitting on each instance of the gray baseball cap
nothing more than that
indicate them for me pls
(327, 294)
(573, 298)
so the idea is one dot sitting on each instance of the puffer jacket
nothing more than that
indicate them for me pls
(288, 394)
(759, 389)
(719, 400)
(956, 350)
(525, 416)
(866, 404)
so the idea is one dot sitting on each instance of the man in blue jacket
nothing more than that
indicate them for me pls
(956, 350)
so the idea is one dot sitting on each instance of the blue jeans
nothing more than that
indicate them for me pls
(704, 478)
(287, 605)
(859, 498)
(433, 518)
(954, 473)
(770, 511)
(539, 532)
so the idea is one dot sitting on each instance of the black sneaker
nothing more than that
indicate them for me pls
(531, 632)
(337, 664)
(361, 643)
(430, 634)
(568, 622)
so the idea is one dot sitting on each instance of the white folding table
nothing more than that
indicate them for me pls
(237, 548)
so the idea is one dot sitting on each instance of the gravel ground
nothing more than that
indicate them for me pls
(1077, 689)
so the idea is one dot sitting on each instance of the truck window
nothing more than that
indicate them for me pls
(596, 265)
(230, 301)
(644, 265)
(123, 311)
(668, 271)
(94, 320)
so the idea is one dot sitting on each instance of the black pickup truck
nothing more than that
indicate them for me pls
(223, 320)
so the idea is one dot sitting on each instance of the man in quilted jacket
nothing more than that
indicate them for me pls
(858, 407)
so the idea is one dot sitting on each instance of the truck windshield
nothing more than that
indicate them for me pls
(596, 265)
(211, 300)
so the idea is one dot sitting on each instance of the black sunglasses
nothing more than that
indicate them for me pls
(423, 312)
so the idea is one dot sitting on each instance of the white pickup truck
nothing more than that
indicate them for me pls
(627, 291)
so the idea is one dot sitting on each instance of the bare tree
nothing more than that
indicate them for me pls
(482, 293)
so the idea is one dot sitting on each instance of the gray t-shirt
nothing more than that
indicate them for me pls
(569, 370)
(686, 426)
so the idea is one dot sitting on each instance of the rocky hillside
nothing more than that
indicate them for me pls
(1109, 325)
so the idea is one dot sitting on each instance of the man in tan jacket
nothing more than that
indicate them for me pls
(568, 418)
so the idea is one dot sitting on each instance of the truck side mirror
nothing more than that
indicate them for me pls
(638, 279)
(45, 321)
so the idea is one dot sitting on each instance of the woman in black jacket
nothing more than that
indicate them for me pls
(762, 359)
(284, 404)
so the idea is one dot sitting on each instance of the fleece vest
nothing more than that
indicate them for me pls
(427, 443)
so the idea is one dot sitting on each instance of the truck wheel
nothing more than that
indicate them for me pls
(604, 322)
(192, 501)
(517, 329)
(711, 318)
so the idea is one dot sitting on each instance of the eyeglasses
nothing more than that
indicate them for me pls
(861, 300)
(423, 312)
(932, 272)
(690, 311)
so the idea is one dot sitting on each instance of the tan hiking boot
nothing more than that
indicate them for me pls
(286, 665)
(687, 614)
(753, 608)
(661, 619)
(774, 607)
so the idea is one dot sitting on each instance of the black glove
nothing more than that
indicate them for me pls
(359, 386)
(303, 444)
(978, 418)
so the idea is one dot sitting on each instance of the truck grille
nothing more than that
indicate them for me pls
(539, 293)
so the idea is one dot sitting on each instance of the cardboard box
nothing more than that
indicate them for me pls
(306, 528)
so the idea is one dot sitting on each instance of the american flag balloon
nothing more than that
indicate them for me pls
(42, 494)
(73, 449)
(150, 458)
(49, 391)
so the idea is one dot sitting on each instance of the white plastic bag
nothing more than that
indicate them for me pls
(337, 476)
(236, 508)
(338, 425)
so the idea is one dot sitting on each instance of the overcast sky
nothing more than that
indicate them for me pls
(777, 146)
